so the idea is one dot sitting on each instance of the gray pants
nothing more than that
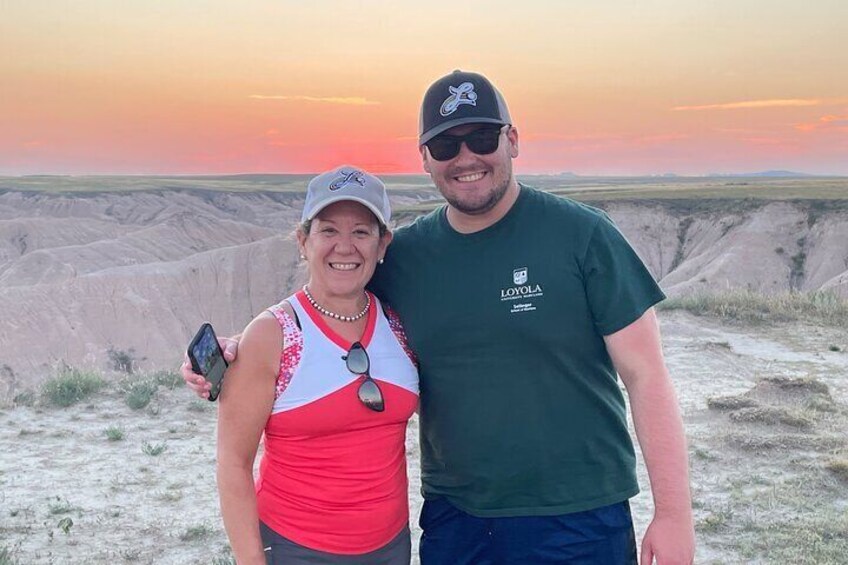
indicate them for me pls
(282, 551)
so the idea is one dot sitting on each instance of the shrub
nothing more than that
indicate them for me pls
(24, 398)
(122, 359)
(153, 449)
(198, 532)
(839, 467)
(168, 379)
(6, 557)
(140, 392)
(199, 406)
(114, 433)
(65, 524)
(60, 506)
(70, 386)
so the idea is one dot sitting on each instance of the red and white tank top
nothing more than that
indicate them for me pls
(333, 475)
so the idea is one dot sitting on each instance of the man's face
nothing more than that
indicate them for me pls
(473, 184)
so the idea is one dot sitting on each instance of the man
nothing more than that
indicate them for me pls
(523, 308)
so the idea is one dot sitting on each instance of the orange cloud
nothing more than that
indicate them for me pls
(768, 141)
(825, 122)
(347, 101)
(776, 103)
(610, 139)
(661, 138)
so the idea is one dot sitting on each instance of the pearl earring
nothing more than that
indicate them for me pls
(380, 261)
(302, 257)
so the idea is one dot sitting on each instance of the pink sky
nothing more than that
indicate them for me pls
(652, 87)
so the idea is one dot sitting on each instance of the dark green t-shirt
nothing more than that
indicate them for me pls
(521, 410)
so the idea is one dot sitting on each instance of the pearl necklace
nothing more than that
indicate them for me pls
(333, 315)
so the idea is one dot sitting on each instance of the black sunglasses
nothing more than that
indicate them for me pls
(481, 141)
(358, 364)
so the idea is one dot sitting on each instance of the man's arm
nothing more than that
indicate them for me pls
(636, 351)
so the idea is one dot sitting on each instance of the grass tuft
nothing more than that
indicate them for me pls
(114, 433)
(821, 308)
(59, 506)
(168, 379)
(131, 554)
(139, 393)
(24, 398)
(839, 467)
(199, 406)
(6, 557)
(772, 415)
(803, 385)
(71, 386)
(730, 402)
(199, 532)
(153, 449)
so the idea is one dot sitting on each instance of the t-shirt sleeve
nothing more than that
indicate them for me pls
(618, 286)
(377, 284)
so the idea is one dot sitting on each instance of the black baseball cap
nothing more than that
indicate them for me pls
(460, 98)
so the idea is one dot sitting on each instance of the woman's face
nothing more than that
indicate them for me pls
(342, 249)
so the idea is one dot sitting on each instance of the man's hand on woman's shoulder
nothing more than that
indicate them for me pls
(196, 382)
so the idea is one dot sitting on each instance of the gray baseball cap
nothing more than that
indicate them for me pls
(347, 183)
(457, 99)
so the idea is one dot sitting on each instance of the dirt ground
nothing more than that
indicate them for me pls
(768, 486)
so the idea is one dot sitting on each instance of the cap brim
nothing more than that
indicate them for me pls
(443, 127)
(342, 198)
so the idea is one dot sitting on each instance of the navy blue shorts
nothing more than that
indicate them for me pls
(600, 536)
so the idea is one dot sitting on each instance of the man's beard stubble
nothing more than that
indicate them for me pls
(476, 209)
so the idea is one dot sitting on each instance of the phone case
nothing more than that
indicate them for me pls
(212, 365)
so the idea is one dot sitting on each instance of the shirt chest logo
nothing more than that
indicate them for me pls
(521, 295)
(519, 276)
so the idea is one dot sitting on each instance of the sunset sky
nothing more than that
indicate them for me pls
(614, 87)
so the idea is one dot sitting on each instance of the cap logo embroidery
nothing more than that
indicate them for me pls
(519, 276)
(347, 178)
(462, 94)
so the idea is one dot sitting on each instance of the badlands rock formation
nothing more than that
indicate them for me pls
(81, 273)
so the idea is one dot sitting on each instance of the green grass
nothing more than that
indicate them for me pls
(6, 557)
(193, 533)
(71, 386)
(796, 520)
(773, 415)
(199, 406)
(114, 433)
(168, 379)
(153, 449)
(839, 468)
(24, 398)
(822, 308)
(581, 188)
(139, 392)
(59, 506)
(131, 554)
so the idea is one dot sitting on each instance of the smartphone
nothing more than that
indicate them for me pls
(207, 358)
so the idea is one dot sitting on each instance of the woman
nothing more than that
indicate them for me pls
(325, 375)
